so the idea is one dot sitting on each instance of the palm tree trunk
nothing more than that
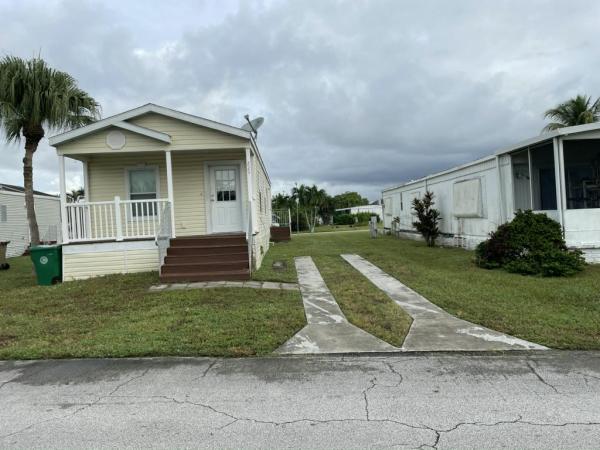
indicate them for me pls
(32, 139)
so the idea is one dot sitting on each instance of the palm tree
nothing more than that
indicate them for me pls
(76, 194)
(35, 98)
(310, 200)
(575, 111)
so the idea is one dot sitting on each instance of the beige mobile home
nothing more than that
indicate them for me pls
(165, 191)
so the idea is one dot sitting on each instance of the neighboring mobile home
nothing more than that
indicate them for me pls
(557, 173)
(14, 226)
(373, 208)
(165, 191)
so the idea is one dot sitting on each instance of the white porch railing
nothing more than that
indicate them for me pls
(164, 235)
(281, 218)
(115, 220)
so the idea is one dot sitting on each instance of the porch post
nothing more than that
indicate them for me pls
(86, 196)
(63, 199)
(170, 196)
(563, 184)
(557, 180)
(530, 178)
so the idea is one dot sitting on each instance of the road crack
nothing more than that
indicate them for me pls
(540, 378)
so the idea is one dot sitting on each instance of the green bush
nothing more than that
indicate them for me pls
(531, 244)
(363, 218)
(343, 219)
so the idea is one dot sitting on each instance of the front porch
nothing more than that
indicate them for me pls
(561, 178)
(139, 205)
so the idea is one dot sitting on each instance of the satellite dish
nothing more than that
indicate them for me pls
(254, 124)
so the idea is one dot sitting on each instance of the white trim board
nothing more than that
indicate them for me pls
(101, 247)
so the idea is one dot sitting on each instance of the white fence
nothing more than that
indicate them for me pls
(114, 220)
(281, 218)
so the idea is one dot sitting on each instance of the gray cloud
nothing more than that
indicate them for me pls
(356, 95)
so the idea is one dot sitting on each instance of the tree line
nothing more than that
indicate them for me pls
(311, 204)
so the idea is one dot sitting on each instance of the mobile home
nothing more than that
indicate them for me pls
(556, 173)
(166, 191)
(14, 226)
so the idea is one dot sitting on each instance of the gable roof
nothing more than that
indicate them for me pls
(20, 190)
(120, 121)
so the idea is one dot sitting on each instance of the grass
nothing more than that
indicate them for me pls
(116, 316)
(330, 228)
(364, 306)
(556, 312)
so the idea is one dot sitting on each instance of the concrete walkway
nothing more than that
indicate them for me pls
(224, 284)
(328, 330)
(433, 328)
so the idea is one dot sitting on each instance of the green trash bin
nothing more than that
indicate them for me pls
(47, 260)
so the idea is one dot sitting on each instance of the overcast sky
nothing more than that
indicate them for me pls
(356, 95)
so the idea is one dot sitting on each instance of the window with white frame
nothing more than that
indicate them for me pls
(143, 185)
(3, 214)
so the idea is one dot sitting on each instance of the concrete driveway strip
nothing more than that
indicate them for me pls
(328, 330)
(533, 400)
(434, 329)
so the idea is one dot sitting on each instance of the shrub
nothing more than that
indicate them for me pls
(427, 218)
(363, 218)
(531, 244)
(343, 219)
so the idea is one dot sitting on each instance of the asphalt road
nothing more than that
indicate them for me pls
(525, 400)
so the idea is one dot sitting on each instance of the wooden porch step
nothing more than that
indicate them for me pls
(207, 249)
(230, 275)
(221, 239)
(205, 267)
(186, 259)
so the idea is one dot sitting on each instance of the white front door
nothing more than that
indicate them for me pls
(225, 199)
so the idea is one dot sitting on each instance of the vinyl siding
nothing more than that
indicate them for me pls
(92, 264)
(107, 179)
(96, 143)
(189, 189)
(262, 212)
(187, 136)
(16, 227)
(184, 136)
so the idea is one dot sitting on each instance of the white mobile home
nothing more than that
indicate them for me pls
(13, 218)
(556, 173)
(373, 208)
(167, 191)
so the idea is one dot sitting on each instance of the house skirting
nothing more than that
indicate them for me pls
(591, 254)
(81, 261)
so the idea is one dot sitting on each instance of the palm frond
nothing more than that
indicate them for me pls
(35, 96)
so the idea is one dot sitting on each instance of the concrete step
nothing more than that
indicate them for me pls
(230, 275)
(205, 267)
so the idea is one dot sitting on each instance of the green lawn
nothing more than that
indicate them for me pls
(330, 228)
(116, 316)
(363, 304)
(557, 312)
